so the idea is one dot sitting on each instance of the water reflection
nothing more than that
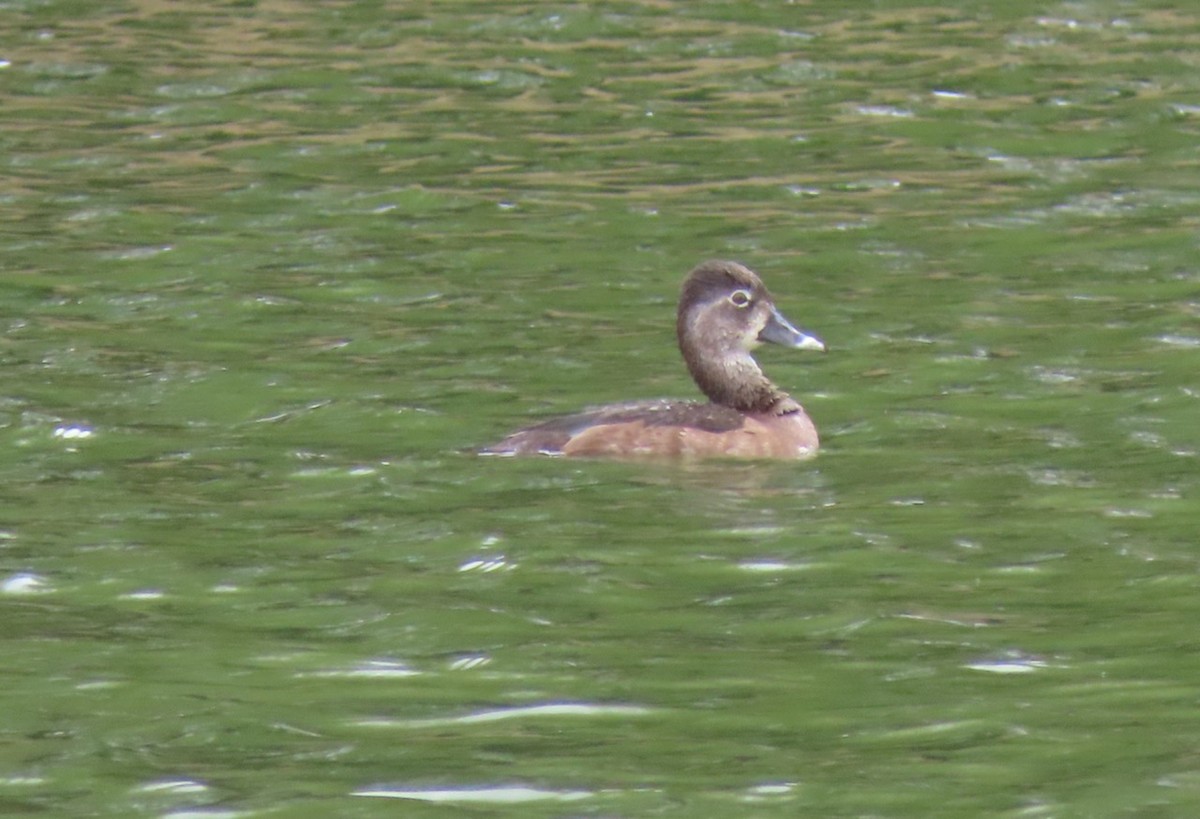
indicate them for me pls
(557, 709)
(500, 795)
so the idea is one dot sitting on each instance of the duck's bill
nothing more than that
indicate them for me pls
(780, 331)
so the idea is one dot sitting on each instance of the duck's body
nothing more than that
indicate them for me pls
(667, 429)
(724, 313)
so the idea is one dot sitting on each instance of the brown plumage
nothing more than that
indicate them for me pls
(725, 311)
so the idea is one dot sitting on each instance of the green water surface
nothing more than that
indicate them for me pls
(270, 272)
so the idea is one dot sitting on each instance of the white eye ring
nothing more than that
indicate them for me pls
(740, 298)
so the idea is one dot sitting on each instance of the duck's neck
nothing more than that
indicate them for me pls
(735, 380)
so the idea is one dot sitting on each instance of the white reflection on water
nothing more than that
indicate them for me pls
(173, 786)
(765, 565)
(24, 583)
(558, 709)
(503, 794)
(1009, 666)
(369, 668)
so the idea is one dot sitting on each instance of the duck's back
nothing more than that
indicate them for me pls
(667, 429)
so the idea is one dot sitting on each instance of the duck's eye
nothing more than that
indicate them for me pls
(739, 298)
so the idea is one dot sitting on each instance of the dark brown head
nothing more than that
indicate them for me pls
(725, 311)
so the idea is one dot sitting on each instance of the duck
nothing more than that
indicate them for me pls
(725, 312)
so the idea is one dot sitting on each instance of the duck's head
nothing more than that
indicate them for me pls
(725, 311)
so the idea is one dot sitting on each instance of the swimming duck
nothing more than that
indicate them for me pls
(725, 311)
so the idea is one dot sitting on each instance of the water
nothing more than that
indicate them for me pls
(271, 273)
